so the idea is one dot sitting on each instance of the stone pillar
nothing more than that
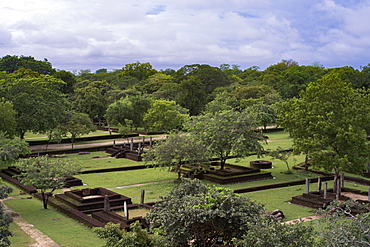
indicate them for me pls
(325, 190)
(307, 186)
(150, 141)
(319, 184)
(142, 196)
(139, 148)
(132, 144)
(125, 210)
(339, 183)
(106, 203)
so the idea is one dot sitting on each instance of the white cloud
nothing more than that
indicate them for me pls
(82, 34)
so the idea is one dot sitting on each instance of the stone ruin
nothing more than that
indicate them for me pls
(323, 197)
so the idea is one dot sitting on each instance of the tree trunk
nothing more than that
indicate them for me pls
(306, 163)
(222, 163)
(72, 140)
(336, 186)
(45, 198)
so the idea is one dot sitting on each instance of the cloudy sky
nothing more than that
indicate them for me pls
(94, 34)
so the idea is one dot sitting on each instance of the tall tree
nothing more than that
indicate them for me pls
(330, 123)
(141, 71)
(165, 115)
(198, 215)
(75, 124)
(191, 95)
(226, 133)
(46, 174)
(210, 77)
(263, 113)
(177, 150)
(12, 63)
(39, 104)
(8, 115)
(10, 149)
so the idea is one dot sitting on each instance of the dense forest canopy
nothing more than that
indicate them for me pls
(48, 92)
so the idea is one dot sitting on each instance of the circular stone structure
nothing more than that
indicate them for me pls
(261, 164)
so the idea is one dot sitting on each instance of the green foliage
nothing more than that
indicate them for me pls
(269, 232)
(282, 155)
(46, 174)
(5, 219)
(10, 149)
(76, 124)
(329, 123)
(136, 237)
(128, 111)
(165, 115)
(210, 77)
(13, 63)
(8, 118)
(39, 104)
(202, 214)
(263, 113)
(93, 99)
(191, 95)
(177, 150)
(226, 133)
(141, 71)
(342, 226)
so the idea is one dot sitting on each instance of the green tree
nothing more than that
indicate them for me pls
(295, 79)
(271, 233)
(136, 237)
(5, 219)
(210, 77)
(13, 63)
(282, 155)
(191, 95)
(177, 150)
(10, 149)
(46, 174)
(201, 214)
(38, 101)
(141, 71)
(8, 115)
(68, 78)
(93, 99)
(76, 124)
(120, 112)
(226, 133)
(342, 225)
(330, 123)
(165, 115)
(263, 113)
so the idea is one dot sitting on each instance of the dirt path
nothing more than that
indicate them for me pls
(41, 240)
(76, 145)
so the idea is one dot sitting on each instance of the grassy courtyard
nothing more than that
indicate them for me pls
(156, 182)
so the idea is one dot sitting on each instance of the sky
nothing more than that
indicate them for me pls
(76, 35)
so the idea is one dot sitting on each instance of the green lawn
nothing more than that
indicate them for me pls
(156, 183)
(59, 227)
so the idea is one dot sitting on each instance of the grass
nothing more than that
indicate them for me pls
(157, 183)
(125, 178)
(104, 161)
(69, 232)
